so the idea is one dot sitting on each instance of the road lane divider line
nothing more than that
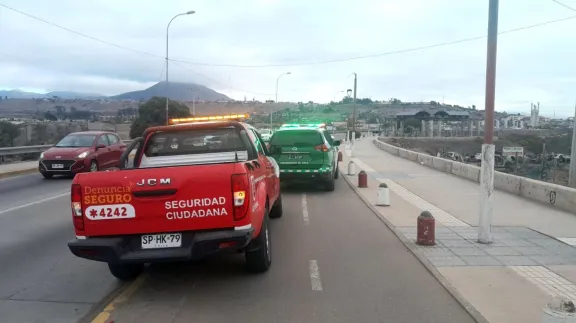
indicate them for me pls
(305, 209)
(103, 316)
(33, 203)
(315, 276)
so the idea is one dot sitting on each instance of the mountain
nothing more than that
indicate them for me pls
(175, 91)
(19, 94)
(74, 95)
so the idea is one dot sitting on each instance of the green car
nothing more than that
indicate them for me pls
(306, 154)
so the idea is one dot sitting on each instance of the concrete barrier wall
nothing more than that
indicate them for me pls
(557, 196)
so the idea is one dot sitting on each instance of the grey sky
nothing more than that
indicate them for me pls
(534, 65)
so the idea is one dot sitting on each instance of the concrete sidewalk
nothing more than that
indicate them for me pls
(18, 168)
(508, 281)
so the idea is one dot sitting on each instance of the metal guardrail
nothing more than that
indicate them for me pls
(8, 151)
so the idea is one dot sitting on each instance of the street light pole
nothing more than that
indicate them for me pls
(487, 169)
(335, 95)
(277, 80)
(167, 29)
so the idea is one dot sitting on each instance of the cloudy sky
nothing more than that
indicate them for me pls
(240, 47)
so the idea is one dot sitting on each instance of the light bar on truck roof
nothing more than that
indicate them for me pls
(303, 125)
(210, 118)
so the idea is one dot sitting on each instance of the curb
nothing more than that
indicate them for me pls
(18, 172)
(476, 315)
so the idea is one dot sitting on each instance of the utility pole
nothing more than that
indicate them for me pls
(353, 137)
(487, 168)
(193, 101)
(572, 174)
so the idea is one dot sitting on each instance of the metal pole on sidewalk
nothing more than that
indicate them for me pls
(572, 174)
(353, 137)
(487, 169)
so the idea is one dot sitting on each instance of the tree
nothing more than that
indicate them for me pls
(50, 116)
(153, 113)
(8, 132)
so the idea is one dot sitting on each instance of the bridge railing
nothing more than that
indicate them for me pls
(11, 151)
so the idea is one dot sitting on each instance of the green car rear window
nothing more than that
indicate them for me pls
(296, 138)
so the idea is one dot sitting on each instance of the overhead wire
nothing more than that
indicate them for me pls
(564, 5)
(400, 51)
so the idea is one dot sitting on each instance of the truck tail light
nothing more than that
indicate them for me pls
(76, 203)
(321, 147)
(240, 193)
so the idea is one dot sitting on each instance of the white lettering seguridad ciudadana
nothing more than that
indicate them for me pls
(203, 202)
(196, 208)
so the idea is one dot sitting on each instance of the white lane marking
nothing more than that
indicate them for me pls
(547, 280)
(570, 241)
(305, 209)
(447, 219)
(33, 203)
(315, 275)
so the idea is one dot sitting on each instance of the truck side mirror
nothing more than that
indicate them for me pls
(125, 155)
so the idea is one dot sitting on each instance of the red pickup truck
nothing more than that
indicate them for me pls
(184, 198)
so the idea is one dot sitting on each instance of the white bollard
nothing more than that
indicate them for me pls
(561, 310)
(383, 195)
(351, 170)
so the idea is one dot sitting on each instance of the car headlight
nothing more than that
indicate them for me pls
(83, 155)
(41, 155)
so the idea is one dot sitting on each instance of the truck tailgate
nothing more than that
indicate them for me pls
(169, 199)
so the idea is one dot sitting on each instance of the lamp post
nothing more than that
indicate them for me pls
(335, 95)
(167, 29)
(277, 80)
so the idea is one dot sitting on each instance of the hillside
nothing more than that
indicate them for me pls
(175, 91)
(18, 94)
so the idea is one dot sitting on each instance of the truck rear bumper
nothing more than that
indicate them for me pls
(127, 249)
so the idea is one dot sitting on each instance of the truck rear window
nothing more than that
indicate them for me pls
(194, 141)
(296, 138)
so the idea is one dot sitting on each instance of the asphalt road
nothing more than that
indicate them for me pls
(41, 280)
(333, 261)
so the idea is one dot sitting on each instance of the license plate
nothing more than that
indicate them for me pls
(59, 166)
(295, 157)
(157, 241)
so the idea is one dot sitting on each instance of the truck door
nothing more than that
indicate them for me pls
(267, 168)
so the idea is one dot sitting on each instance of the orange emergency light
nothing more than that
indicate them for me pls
(210, 118)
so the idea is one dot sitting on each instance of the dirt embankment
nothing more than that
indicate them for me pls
(548, 169)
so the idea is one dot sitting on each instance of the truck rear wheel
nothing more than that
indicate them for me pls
(277, 211)
(125, 271)
(329, 185)
(259, 253)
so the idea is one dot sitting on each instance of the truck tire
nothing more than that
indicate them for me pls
(125, 272)
(259, 253)
(330, 185)
(276, 210)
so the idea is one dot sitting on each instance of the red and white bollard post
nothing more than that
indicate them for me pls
(426, 229)
(362, 179)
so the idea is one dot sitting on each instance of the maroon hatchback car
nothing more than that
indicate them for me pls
(79, 152)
